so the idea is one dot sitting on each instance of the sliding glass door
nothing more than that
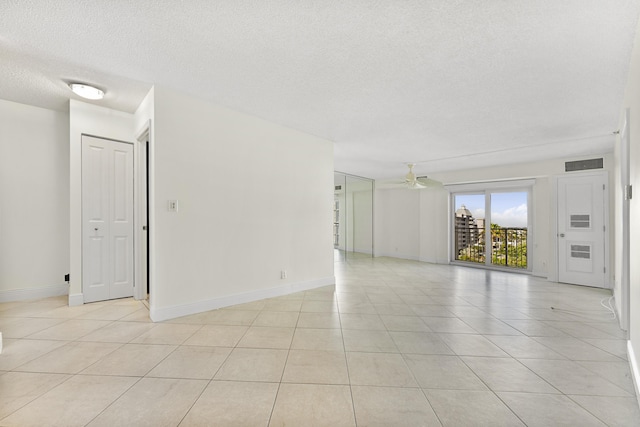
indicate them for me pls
(491, 227)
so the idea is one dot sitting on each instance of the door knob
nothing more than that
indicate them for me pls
(561, 234)
(96, 229)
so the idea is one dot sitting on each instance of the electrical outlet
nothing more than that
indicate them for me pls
(283, 274)
(172, 206)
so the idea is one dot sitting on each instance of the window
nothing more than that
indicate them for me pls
(491, 226)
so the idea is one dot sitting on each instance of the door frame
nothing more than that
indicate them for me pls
(143, 185)
(625, 175)
(554, 273)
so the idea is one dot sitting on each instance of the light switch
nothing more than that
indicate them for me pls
(172, 206)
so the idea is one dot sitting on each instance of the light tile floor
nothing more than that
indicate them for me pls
(394, 342)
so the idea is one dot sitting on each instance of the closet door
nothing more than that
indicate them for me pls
(107, 219)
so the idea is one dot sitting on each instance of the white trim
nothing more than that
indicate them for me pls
(635, 372)
(398, 255)
(490, 185)
(76, 299)
(34, 293)
(158, 315)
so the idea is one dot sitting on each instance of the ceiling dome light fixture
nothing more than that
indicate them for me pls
(86, 91)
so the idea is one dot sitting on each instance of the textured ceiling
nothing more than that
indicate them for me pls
(443, 83)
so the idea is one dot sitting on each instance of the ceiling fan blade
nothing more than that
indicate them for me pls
(428, 182)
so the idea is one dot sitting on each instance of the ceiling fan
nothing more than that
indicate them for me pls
(414, 182)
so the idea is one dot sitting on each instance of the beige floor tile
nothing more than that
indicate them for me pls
(313, 405)
(267, 337)
(153, 402)
(472, 345)
(253, 305)
(217, 335)
(371, 322)
(364, 307)
(535, 328)
(20, 388)
(394, 309)
(379, 369)
(523, 347)
(571, 378)
(319, 320)
(316, 367)
(112, 312)
(488, 326)
(420, 343)
(444, 372)
(69, 330)
(228, 317)
(451, 325)
(231, 404)
(614, 411)
(317, 339)
(141, 315)
(191, 362)
(462, 408)
(385, 406)
(506, 374)
(121, 332)
(279, 319)
(319, 307)
(250, 364)
(429, 310)
(368, 341)
(411, 323)
(73, 403)
(71, 358)
(166, 333)
(18, 352)
(616, 347)
(576, 349)
(619, 373)
(558, 410)
(23, 327)
(131, 360)
(276, 304)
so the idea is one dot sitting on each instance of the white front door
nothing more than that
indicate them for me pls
(581, 229)
(107, 219)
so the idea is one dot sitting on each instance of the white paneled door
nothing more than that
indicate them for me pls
(107, 219)
(581, 230)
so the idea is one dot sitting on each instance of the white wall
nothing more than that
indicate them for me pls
(254, 199)
(414, 224)
(397, 223)
(632, 101)
(362, 221)
(34, 206)
(96, 121)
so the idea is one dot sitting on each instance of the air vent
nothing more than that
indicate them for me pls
(338, 187)
(580, 221)
(581, 251)
(581, 165)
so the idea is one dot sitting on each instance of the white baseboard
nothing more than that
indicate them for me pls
(76, 299)
(397, 255)
(434, 260)
(635, 372)
(34, 293)
(166, 313)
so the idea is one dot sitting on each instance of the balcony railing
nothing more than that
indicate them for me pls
(508, 245)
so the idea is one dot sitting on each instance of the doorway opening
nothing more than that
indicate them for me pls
(142, 289)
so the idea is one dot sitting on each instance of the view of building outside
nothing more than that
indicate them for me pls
(508, 226)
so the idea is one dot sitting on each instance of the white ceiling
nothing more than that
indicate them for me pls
(447, 84)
